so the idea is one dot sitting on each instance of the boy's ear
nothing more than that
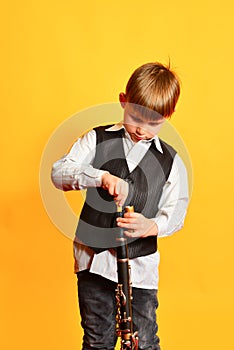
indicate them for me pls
(122, 99)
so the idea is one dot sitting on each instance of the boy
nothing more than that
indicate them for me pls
(126, 164)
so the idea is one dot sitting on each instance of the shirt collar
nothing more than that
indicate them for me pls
(120, 126)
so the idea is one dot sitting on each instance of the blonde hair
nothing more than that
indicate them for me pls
(154, 86)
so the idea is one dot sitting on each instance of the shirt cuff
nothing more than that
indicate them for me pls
(94, 177)
(161, 222)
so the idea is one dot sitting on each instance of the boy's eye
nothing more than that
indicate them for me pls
(138, 120)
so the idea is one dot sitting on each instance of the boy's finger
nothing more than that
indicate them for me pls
(131, 215)
(131, 233)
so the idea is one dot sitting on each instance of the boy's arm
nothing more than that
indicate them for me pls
(74, 171)
(174, 200)
(172, 208)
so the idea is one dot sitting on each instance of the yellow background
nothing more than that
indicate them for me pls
(59, 57)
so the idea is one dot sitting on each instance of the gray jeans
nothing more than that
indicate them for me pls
(98, 310)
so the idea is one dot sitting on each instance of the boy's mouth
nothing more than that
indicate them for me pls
(138, 137)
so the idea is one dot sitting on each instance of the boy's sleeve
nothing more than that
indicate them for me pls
(74, 171)
(174, 200)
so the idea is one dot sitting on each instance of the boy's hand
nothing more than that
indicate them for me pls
(137, 225)
(118, 188)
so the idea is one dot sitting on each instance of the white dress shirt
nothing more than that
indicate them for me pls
(75, 172)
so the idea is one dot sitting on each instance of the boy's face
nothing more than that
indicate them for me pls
(139, 127)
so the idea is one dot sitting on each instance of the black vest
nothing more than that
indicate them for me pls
(96, 227)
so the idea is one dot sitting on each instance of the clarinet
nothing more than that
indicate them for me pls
(124, 326)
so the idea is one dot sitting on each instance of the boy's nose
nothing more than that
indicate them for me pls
(140, 130)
